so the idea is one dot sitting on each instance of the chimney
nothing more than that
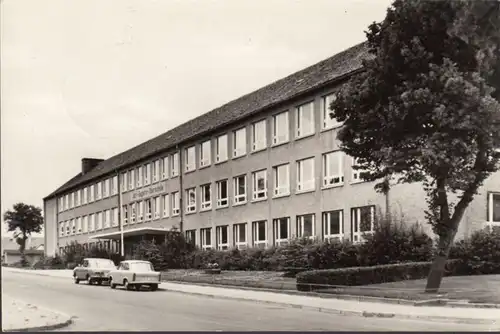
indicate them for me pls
(89, 163)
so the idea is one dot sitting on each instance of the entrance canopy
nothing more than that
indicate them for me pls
(131, 233)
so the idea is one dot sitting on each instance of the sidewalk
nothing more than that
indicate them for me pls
(328, 305)
(18, 316)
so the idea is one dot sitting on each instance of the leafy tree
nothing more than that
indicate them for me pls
(426, 108)
(23, 220)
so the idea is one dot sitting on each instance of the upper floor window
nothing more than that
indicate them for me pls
(240, 189)
(328, 122)
(149, 208)
(306, 226)
(147, 174)
(107, 189)
(66, 202)
(107, 218)
(78, 197)
(205, 154)
(222, 148)
(139, 176)
(362, 222)
(156, 170)
(259, 188)
(124, 181)
(131, 179)
(79, 225)
(259, 136)
(166, 205)
(85, 223)
(114, 185)
(98, 195)
(357, 174)
(125, 214)
(157, 207)
(281, 180)
(92, 222)
(175, 203)
(85, 195)
(164, 168)
(206, 196)
(222, 194)
(115, 217)
(72, 200)
(304, 124)
(140, 211)
(191, 200)
(133, 212)
(239, 142)
(333, 171)
(174, 167)
(61, 203)
(92, 193)
(280, 128)
(190, 159)
(305, 175)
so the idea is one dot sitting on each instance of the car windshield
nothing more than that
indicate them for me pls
(141, 266)
(105, 264)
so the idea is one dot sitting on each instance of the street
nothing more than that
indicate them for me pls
(99, 308)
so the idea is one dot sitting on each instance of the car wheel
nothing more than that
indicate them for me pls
(76, 280)
(111, 284)
(127, 285)
(99, 282)
(153, 287)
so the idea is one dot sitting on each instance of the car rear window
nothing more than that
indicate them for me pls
(141, 266)
(104, 264)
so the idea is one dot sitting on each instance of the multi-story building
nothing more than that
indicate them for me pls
(257, 171)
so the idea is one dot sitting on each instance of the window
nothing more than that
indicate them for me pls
(98, 221)
(222, 239)
(157, 207)
(328, 122)
(281, 180)
(304, 125)
(107, 219)
(191, 237)
(79, 225)
(114, 185)
(133, 212)
(221, 149)
(166, 210)
(259, 232)
(66, 202)
(333, 173)
(125, 214)
(107, 188)
(147, 174)
(259, 187)
(124, 181)
(85, 195)
(139, 175)
(174, 167)
(206, 197)
(164, 168)
(61, 204)
(239, 142)
(280, 128)
(240, 235)
(92, 222)
(205, 154)
(222, 194)
(259, 136)
(131, 179)
(115, 217)
(306, 226)
(175, 203)
(149, 208)
(333, 225)
(67, 227)
(362, 221)
(61, 229)
(282, 231)
(356, 173)
(78, 197)
(72, 200)
(156, 171)
(99, 191)
(240, 189)
(191, 200)
(206, 238)
(493, 209)
(85, 223)
(140, 211)
(190, 159)
(73, 226)
(305, 175)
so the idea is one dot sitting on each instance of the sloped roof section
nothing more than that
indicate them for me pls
(306, 80)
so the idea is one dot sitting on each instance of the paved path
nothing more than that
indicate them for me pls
(99, 308)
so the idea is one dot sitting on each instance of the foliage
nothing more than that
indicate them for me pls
(355, 276)
(426, 107)
(49, 262)
(23, 220)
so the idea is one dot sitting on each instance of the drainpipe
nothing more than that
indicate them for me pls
(120, 214)
(181, 191)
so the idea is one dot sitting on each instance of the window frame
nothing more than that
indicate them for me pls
(165, 166)
(236, 233)
(255, 191)
(174, 164)
(299, 131)
(332, 180)
(176, 203)
(259, 142)
(326, 225)
(203, 238)
(131, 179)
(165, 205)
(148, 209)
(255, 234)
(239, 199)
(140, 211)
(356, 233)
(277, 240)
(206, 205)
(301, 226)
(190, 162)
(205, 157)
(133, 214)
(155, 171)
(156, 207)
(139, 177)
(300, 171)
(218, 237)
(327, 122)
(278, 138)
(222, 202)
(239, 150)
(221, 157)
(190, 206)
(281, 190)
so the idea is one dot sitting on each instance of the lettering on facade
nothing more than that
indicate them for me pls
(145, 192)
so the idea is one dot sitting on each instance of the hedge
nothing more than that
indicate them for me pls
(355, 276)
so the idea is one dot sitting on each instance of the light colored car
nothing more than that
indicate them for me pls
(133, 274)
(93, 270)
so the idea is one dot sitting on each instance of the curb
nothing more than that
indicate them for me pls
(441, 302)
(42, 328)
(350, 313)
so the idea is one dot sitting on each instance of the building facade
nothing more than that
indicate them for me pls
(254, 173)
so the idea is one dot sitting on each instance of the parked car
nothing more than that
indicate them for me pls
(93, 270)
(133, 274)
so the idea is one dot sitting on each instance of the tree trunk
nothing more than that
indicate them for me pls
(22, 248)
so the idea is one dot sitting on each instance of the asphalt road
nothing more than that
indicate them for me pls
(99, 308)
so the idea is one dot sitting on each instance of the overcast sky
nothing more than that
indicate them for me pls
(92, 78)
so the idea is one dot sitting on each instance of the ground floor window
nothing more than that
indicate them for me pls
(306, 226)
(206, 238)
(362, 222)
(333, 225)
(240, 235)
(222, 237)
(191, 236)
(259, 232)
(282, 230)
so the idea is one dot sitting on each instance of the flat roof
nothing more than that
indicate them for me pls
(132, 232)
(328, 71)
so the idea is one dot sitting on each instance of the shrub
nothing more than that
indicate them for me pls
(49, 262)
(330, 278)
